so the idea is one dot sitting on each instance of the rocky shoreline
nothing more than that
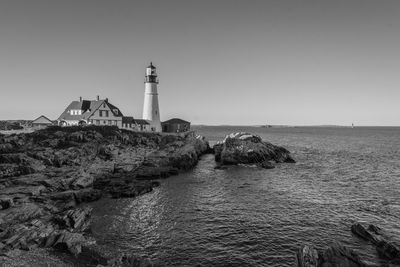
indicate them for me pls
(47, 174)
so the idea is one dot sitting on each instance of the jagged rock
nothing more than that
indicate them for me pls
(307, 256)
(341, 256)
(71, 198)
(246, 148)
(84, 181)
(334, 256)
(77, 220)
(20, 214)
(61, 184)
(71, 242)
(27, 236)
(386, 248)
(23, 190)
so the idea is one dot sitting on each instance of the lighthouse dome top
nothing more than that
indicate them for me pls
(151, 66)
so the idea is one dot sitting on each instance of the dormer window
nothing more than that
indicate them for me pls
(116, 111)
(75, 112)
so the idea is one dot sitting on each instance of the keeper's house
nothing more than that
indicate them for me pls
(95, 112)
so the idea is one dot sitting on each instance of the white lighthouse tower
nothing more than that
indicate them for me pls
(151, 111)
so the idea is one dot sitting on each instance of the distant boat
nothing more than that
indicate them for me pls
(352, 125)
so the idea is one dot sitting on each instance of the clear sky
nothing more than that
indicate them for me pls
(219, 62)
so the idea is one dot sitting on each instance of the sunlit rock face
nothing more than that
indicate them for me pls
(247, 148)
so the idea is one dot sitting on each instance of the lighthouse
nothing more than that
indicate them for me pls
(151, 111)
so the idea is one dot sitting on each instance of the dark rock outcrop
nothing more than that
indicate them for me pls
(386, 247)
(246, 148)
(333, 256)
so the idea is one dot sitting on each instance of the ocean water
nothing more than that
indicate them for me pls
(247, 216)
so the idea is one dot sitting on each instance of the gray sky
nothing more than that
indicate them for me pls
(219, 62)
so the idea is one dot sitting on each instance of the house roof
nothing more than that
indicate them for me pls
(151, 66)
(88, 107)
(175, 120)
(113, 108)
(128, 120)
(42, 120)
(143, 122)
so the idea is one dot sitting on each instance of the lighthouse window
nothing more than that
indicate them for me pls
(156, 112)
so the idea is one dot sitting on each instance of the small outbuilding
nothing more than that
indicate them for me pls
(143, 125)
(42, 122)
(175, 125)
(128, 123)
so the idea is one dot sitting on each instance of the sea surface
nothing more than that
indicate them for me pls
(247, 216)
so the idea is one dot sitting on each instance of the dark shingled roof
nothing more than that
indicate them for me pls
(175, 120)
(128, 120)
(88, 107)
(143, 122)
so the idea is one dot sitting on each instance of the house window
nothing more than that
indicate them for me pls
(115, 122)
(100, 113)
(109, 122)
(106, 111)
(97, 122)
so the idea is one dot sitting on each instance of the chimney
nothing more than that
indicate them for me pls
(107, 99)
(98, 98)
(80, 99)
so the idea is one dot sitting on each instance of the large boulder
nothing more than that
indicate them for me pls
(336, 255)
(246, 148)
(387, 247)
